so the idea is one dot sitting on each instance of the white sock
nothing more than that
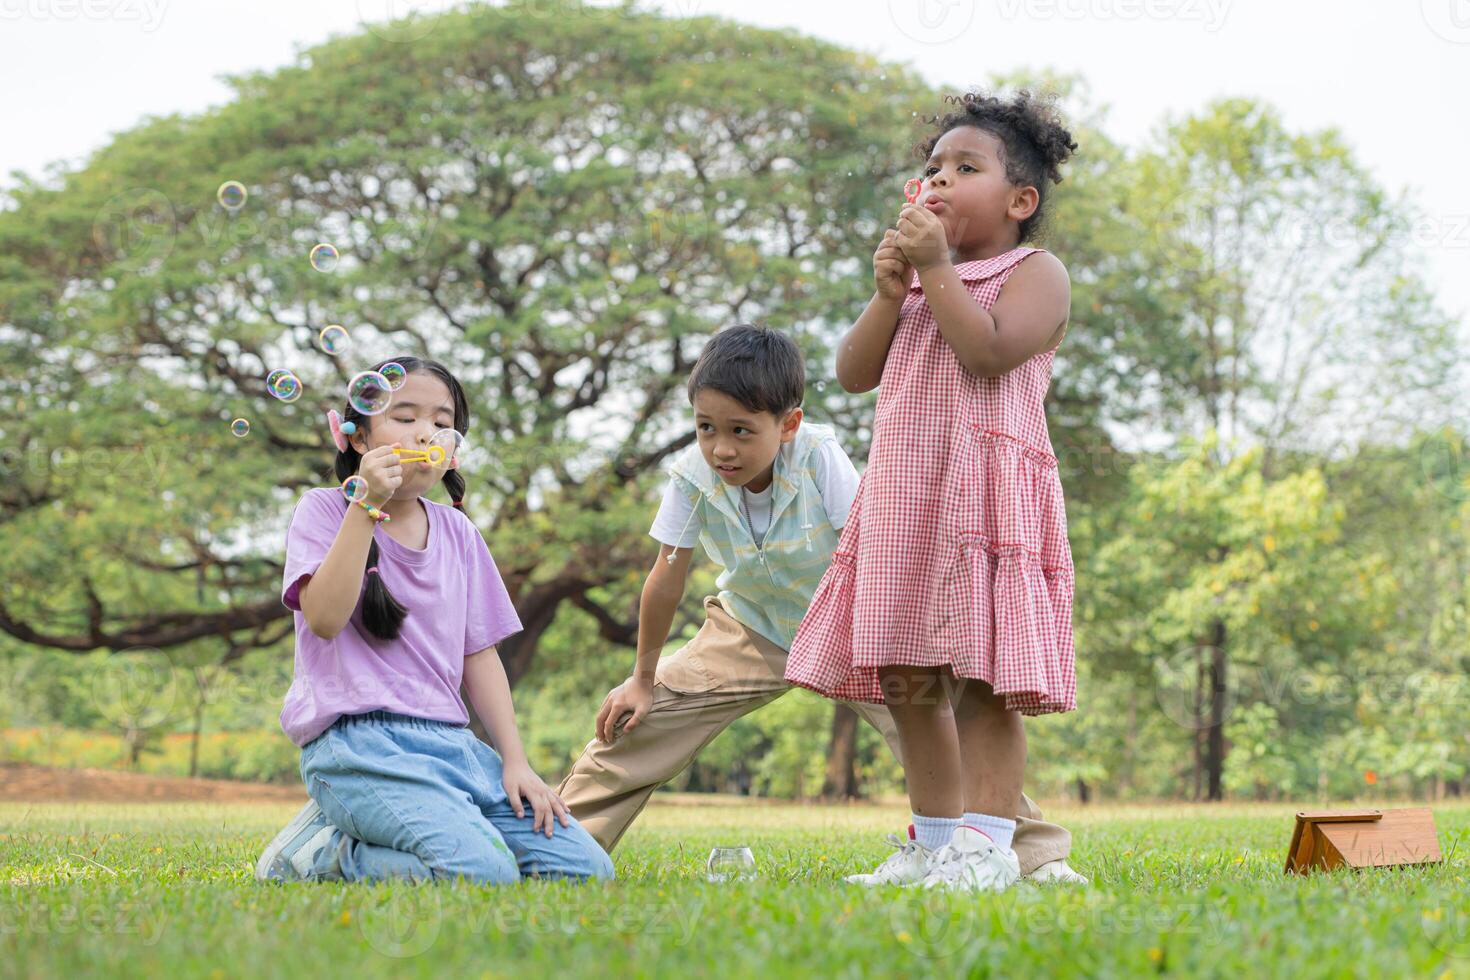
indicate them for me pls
(934, 832)
(998, 829)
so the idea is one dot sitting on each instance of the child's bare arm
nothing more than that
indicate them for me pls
(1032, 307)
(329, 597)
(864, 348)
(662, 592)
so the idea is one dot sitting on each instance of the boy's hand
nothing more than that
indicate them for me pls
(383, 473)
(632, 695)
(921, 237)
(520, 781)
(891, 270)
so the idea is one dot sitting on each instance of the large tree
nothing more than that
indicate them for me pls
(559, 208)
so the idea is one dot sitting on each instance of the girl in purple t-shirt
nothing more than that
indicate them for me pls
(397, 602)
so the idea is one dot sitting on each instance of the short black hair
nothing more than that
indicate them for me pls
(1033, 137)
(759, 367)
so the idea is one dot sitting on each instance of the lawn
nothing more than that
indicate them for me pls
(166, 890)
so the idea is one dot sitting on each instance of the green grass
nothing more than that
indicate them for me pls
(166, 890)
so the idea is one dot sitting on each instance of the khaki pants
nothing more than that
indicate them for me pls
(726, 671)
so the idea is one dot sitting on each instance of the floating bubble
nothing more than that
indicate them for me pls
(449, 440)
(395, 374)
(324, 257)
(355, 488)
(284, 385)
(232, 195)
(240, 428)
(369, 393)
(821, 386)
(334, 339)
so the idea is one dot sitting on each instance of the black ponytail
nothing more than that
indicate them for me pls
(383, 615)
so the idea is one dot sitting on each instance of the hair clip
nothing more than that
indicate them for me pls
(340, 430)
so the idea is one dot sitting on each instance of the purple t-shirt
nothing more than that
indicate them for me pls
(456, 603)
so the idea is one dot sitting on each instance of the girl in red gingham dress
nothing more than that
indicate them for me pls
(950, 593)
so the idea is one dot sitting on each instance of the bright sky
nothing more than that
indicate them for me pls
(1392, 77)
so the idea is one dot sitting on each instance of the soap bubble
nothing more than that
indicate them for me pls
(232, 195)
(334, 339)
(369, 393)
(450, 440)
(355, 488)
(240, 428)
(283, 385)
(395, 374)
(324, 257)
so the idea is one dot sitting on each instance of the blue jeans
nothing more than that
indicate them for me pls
(423, 800)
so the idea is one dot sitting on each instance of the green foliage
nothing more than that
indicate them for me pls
(560, 202)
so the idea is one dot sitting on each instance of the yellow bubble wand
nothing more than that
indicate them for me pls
(434, 455)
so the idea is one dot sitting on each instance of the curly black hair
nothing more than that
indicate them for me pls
(1030, 129)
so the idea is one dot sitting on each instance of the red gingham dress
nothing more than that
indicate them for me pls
(955, 552)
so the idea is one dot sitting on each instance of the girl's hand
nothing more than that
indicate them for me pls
(891, 270)
(921, 237)
(383, 473)
(520, 781)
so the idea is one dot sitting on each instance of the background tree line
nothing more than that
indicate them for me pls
(1254, 407)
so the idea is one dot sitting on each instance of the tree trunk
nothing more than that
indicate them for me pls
(201, 685)
(1199, 732)
(1084, 792)
(841, 780)
(194, 741)
(1215, 746)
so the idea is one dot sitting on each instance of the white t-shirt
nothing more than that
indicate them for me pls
(837, 481)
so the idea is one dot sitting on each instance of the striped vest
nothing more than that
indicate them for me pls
(766, 588)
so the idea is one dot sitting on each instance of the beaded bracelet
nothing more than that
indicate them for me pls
(373, 512)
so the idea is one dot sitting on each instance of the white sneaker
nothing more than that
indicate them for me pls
(907, 866)
(971, 861)
(1057, 872)
(290, 855)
